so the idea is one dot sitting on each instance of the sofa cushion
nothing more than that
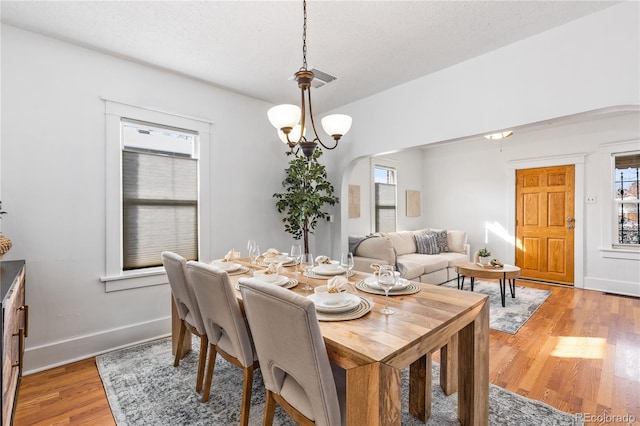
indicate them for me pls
(426, 243)
(402, 241)
(441, 239)
(378, 248)
(425, 262)
(456, 240)
(453, 257)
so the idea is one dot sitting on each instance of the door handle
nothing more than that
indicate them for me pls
(570, 219)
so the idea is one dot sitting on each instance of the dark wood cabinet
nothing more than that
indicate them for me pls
(14, 319)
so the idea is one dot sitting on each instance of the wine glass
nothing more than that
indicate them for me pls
(250, 244)
(346, 261)
(296, 252)
(254, 253)
(386, 280)
(307, 262)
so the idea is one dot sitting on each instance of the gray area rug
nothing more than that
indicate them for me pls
(516, 311)
(144, 388)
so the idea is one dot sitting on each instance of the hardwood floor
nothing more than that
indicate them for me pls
(580, 352)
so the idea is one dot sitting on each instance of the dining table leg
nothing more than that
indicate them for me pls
(420, 388)
(373, 395)
(449, 366)
(473, 369)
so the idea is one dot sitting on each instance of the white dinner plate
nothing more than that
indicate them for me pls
(282, 280)
(351, 302)
(323, 270)
(283, 259)
(226, 266)
(373, 283)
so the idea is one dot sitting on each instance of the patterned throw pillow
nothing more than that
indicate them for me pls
(441, 238)
(426, 243)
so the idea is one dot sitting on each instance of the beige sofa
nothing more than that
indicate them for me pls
(400, 249)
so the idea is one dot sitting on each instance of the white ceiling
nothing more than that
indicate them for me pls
(253, 47)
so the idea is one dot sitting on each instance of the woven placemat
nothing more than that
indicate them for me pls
(410, 289)
(362, 309)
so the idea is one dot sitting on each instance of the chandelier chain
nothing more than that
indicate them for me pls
(304, 36)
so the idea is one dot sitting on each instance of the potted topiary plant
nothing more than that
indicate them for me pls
(483, 256)
(307, 191)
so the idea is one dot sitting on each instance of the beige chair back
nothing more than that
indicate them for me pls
(291, 351)
(182, 290)
(223, 320)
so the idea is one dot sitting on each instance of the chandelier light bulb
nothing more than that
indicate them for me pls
(336, 125)
(284, 116)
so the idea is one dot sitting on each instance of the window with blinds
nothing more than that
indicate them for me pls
(627, 200)
(159, 194)
(385, 199)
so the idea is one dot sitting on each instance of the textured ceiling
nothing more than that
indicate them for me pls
(253, 47)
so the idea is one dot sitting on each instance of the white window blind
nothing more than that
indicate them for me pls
(159, 195)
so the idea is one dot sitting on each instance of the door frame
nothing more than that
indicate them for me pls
(577, 160)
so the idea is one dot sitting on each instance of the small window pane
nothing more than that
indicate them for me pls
(627, 183)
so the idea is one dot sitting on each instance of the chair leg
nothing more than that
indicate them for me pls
(269, 409)
(183, 330)
(202, 360)
(209, 376)
(246, 396)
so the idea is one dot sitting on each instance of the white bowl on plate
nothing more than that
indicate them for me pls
(226, 266)
(282, 257)
(268, 278)
(324, 297)
(333, 266)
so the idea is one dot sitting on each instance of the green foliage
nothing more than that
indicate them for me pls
(1, 211)
(484, 252)
(307, 190)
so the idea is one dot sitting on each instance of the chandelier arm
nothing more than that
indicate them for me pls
(313, 122)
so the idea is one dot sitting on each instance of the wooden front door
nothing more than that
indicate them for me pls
(545, 223)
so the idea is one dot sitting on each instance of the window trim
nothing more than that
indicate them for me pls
(609, 247)
(115, 278)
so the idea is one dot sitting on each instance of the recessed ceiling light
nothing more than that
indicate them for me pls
(500, 135)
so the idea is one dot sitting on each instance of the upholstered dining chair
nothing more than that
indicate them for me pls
(188, 309)
(293, 358)
(226, 327)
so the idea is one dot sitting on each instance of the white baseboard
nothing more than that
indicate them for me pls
(70, 350)
(626, 288)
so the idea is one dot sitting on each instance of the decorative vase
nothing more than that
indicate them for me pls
(5, 245)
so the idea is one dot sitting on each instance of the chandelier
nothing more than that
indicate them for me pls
(290, 120)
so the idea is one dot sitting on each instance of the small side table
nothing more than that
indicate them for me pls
(506, 273)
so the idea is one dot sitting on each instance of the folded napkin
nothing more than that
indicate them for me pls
(322, 260)
(339, 284)
(274, 268)
(231, 254)
(271, 254)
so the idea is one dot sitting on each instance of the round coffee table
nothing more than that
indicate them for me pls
(473, 271)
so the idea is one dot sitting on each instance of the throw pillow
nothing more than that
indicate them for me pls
(441, 238)
(426, 243)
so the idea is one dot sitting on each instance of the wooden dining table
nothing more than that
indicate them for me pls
(375, 348)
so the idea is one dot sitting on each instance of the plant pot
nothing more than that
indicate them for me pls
(483, 260)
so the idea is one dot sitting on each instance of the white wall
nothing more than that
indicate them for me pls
(53, 187)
